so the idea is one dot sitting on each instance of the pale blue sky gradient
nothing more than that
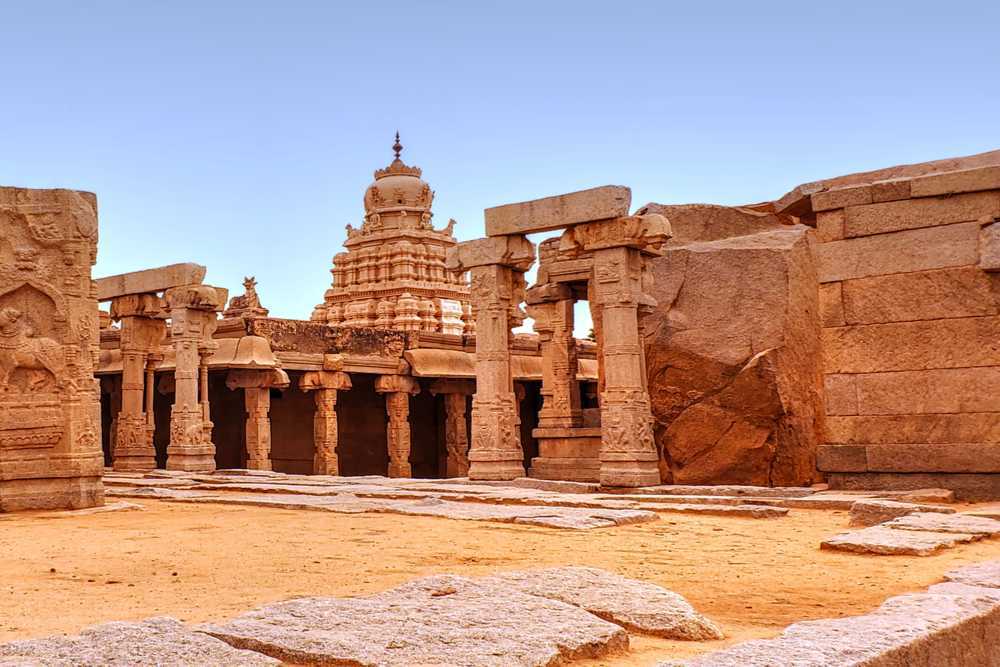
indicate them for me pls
(241, 135)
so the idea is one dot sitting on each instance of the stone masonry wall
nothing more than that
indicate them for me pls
(910, 306)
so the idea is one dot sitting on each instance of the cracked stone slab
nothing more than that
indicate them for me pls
(439, 620)
(986, 574)
(747, 511)
(872, 512)
(638, 606)
(930, 629)
(552, 517)
(154, 492)
(889, 542)
(947, 523)
(161, 641)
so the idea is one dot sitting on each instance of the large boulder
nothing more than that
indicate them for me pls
(732, 349)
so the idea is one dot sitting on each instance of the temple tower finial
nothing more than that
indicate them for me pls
(397, 147)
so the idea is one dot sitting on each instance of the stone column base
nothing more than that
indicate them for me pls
(494, 471)
(571, 454)
(259, 464)
(53, 493)
(196, 458)
(629, 473)
(138, 461)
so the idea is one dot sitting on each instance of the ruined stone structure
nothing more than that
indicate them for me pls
(50, 425)
(841, 334)
(601, 255)
(392, 275)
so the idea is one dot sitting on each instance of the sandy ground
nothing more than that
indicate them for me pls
(203, 562)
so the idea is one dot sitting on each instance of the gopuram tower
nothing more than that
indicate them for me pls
(392, 275)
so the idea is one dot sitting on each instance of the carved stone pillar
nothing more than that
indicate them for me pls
(456, 430)
(551, 306)
(497, 266)
(628, 454)
(326, 384)
(257, 385)
(258, 427)
(193, 315)
(142, 332)
(397, 390)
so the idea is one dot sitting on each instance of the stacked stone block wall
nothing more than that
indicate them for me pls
(910, 307)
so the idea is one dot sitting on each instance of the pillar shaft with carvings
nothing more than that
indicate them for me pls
(142, 332)
(326, 384)
(397, 390)
(257, 385)
(193, 315)
(497, 266)
(456, 427)
(551, 306)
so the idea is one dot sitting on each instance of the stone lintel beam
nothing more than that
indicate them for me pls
(266, 378)
(515, 252)
(149, 280)
(453, 386)
(642, 232)
(540, 215)
(548, 293)
(325, 380)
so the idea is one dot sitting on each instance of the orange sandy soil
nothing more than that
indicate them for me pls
(204, 562)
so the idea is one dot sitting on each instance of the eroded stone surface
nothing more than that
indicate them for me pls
(946, 523)
(636, 605)
(734, 390)
(872, 512)
(156, 641)
(889, 542)
(920, 629)
(750, 511)
(981, 574)
(436, 620)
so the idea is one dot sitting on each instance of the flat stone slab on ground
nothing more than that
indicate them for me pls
(985, 574)
(946, 523)
(872, 512)
(120, 506)
(439, 620)
(552, 517)
(719, 490)
(635, 605)
(746, 511)
(888, 542)
(927, 629)
(156, 641)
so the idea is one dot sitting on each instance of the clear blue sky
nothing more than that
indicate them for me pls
(241, 135)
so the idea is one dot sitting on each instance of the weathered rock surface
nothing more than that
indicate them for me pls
(442, 620)
(635, 605)
(872, 512)
(947, 523)
(747, 511)
(888, 542)
(156, 641)
(921, 629)
(552, 517)
(733, 354)
(981, 574)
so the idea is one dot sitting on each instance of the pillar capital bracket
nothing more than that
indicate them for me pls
(386, 384)
(325, 380)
